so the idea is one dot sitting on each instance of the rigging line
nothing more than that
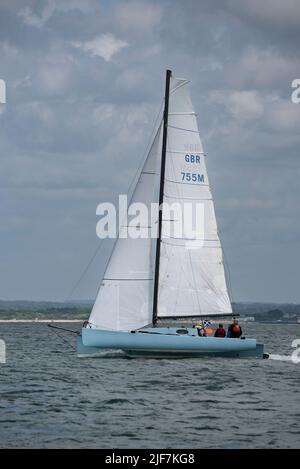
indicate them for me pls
(186, 130)
(195, 288)
(129, 190)
(191, 113)
(179, 238)
(184, 152)
(208, 280)
(59, 336)
(187, 183)
(212, 286)
(185, 198)
(231, 298)
(139, 170)
(178, 285)
(84, 271)
(183, 82)
(148, 147)
(127, 279)
(227, 271)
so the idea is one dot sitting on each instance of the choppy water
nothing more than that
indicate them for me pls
(50, 398)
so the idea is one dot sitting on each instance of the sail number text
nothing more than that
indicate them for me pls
(194, 177)
(192, 159)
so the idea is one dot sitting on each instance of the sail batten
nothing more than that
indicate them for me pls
(197, 317)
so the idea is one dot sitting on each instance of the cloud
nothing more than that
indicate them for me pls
(138, 16)
(38, 21)
(269, 111)
(52, 79)
(105, 46)
(131, 79)
(54, 72)
(283, 15)
(24, 82)
(75, 129)
(265, 67)
(242, 105)
(283, 116)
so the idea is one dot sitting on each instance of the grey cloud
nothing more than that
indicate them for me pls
(282, 15)
(75, 127)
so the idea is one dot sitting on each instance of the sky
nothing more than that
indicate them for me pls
(85, 80)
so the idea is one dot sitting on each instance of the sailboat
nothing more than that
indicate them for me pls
(155, 288)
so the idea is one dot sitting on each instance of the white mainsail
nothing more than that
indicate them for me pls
(124, 300)
(191, 278)
(191, 275)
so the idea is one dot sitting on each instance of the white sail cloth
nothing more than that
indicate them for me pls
(191, 272)
(191, 275)
(124, 300)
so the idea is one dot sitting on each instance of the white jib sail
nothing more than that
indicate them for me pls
(191, 275)
(124, 300)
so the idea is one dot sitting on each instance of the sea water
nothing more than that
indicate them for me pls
(50, 398)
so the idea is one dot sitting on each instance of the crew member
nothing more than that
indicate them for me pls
(234, 330)
(220, 332)
(200, 330)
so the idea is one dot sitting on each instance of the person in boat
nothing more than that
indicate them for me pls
(234, 330)
(200, 330)
(220, 331)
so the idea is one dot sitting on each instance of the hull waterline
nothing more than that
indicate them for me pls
(165, 343)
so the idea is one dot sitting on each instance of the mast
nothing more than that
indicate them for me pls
(161, 194)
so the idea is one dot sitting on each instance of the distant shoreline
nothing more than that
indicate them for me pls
(39, 320)
(30, 321)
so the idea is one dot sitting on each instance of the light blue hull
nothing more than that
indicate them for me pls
(165, 342)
